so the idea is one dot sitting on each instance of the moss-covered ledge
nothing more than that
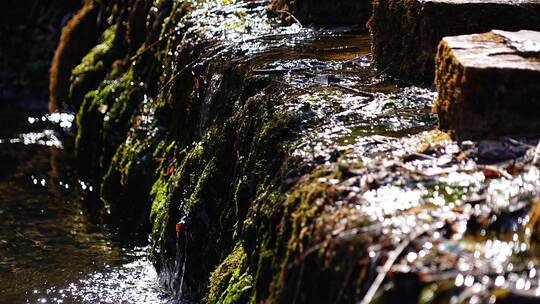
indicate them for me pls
(173, 141)
(261, 181)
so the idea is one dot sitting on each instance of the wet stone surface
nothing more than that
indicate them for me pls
(339, 100)
(458, 230)
(450, 218)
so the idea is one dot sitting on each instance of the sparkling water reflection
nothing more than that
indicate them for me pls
(54, 248)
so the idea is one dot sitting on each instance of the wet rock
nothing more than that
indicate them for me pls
(406, 33)
(487, 87)
(322, 12)
(500, 150)
(77, 38)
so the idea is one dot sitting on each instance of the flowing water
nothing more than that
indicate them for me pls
(55, 248)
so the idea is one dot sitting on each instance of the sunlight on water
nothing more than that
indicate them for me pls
(133, 282)
(53, 247)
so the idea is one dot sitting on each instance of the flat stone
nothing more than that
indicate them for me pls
(323, 12)
(526, 43)
(406, 32)
(489, 84)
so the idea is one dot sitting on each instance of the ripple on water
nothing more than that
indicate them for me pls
(54, 248)
(131, 282)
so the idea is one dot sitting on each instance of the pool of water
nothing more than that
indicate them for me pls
(54, 248)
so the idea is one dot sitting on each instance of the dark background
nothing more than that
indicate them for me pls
(29, 33)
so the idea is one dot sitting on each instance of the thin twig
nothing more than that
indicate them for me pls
(292, 16)
(355, 91)
(139, 54)
(496, 170)
(518, 142)
(292, 86)
(275, 71)
(393, 256)
(379, 73)
(424, 156)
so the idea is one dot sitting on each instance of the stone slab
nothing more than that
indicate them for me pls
(489, 84)
(406, 32)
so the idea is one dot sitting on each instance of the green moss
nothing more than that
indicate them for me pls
(231, 282)
(91, 59)
(94, 66)
(449, 76)
(292, 250)
(159, 215)
(222, 167)
(195, 174)
(89, 119)
(122, 114)
(125, 161)
(204, 184)
(103, 121)
(127, 185)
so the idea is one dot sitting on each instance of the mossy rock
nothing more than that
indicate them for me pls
(77, 38)
(488, 87)
(406, 33)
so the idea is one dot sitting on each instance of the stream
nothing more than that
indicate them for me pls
(53, 247)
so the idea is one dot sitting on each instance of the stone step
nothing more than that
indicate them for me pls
(323, 12)
(406, 32)
(489, 84)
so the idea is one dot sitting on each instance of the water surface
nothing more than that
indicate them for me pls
(53, 247)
